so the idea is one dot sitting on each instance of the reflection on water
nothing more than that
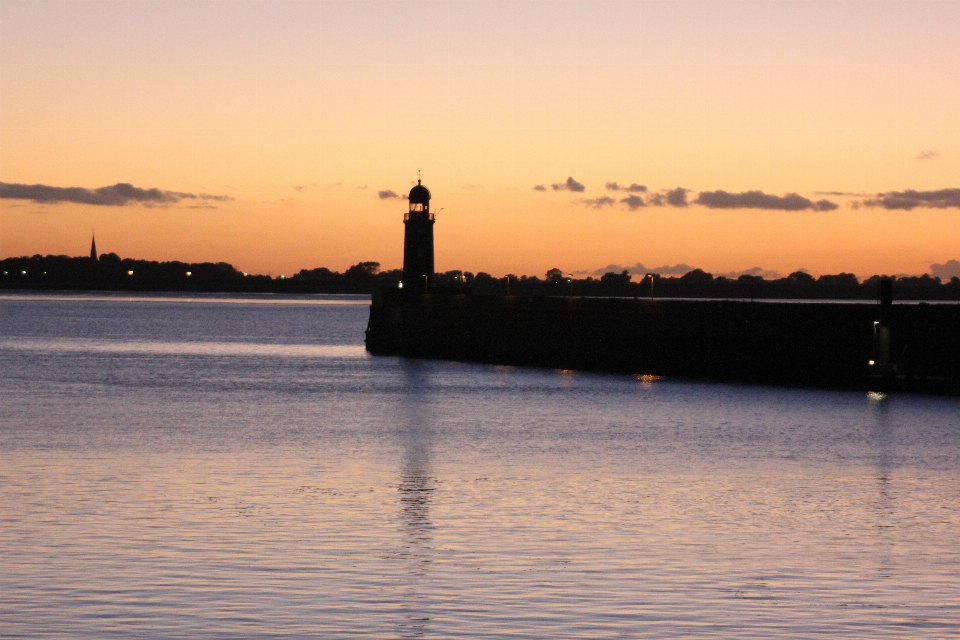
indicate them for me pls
(882, 434)
(180, 298)
(142, 347)
(211, 470)
(416, 485)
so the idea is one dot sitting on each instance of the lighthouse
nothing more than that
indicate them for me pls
(418, 240)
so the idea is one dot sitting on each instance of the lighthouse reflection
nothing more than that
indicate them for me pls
(416, 488)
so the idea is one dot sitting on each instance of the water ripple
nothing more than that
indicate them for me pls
(146, 347)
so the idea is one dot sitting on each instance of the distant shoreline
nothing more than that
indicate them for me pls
(338, 297)
(112, 273)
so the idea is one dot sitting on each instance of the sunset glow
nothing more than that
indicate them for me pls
(283, 135)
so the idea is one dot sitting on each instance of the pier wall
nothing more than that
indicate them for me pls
(798, 344)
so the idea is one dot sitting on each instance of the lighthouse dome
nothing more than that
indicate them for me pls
(420, 194)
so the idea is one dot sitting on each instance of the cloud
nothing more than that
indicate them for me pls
(950, 269)
(569, 185)
(610, 268)
(761, 200)
(634, 202)
(928, 154)
(766, 274)
(639, 269)
(385, 195)
(910, 199)
(539, 187)
(677, 197)
(118, 195)
(633, 188)
(596, 203)
(672, 270)
(673, 197)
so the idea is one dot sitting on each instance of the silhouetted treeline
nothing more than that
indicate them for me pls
(115, 274)
(112, 273)
(699, 284)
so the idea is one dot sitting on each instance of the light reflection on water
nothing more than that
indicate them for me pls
(416, 484)
(188, 298)
(246, 470)
(133, 347)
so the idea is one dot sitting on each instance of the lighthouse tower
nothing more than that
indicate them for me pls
(418, 241)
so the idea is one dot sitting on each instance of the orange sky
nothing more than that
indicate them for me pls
(301, 112)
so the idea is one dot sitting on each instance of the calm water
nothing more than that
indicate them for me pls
(240, 467)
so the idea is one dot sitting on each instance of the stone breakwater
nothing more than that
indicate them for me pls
(827, 345)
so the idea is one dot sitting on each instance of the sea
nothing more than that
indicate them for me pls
(226, 466)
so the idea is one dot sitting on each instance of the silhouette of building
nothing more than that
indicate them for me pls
(93, 248)
(418, 241)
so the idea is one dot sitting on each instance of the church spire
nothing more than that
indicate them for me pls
(93, 248)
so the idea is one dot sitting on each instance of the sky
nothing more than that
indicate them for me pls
(724, 135)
